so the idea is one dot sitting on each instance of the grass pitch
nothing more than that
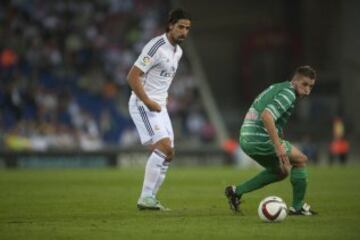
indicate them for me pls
(101, 204)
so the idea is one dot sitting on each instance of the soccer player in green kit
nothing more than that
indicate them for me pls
(261, 137)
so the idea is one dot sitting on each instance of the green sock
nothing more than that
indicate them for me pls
(264, 178)
(298, 180)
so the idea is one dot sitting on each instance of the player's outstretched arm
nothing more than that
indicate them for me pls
(134, 81)
(269, 124)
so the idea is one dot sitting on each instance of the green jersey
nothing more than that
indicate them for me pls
(279, 100)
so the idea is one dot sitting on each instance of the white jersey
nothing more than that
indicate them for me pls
(159, 61)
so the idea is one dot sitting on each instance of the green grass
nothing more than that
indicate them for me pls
(100, 204)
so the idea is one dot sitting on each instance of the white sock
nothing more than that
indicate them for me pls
(152, 174)
(164, 168)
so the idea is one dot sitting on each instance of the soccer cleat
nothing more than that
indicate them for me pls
(233, 199)
(161, 207)
(148, 203)
(151, 203)
(303, 211)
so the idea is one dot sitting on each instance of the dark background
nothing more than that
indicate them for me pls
(247, 45)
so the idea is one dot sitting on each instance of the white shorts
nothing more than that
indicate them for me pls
(151, 126)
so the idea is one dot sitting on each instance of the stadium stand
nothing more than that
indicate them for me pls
(63, 67)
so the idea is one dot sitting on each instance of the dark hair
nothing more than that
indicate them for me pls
(306, 71)
(175, 15)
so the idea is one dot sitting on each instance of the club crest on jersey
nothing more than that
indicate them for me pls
(146, 60)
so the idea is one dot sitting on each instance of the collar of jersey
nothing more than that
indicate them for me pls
(291, 86)
(168, 42)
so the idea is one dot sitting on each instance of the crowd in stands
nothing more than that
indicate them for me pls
(63, 67)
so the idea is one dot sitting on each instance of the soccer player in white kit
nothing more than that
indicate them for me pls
(150, 79)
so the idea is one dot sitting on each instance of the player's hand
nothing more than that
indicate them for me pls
(283, 158)
(153, 106)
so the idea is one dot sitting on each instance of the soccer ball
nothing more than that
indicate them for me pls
(272, 209)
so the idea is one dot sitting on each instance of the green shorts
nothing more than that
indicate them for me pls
(264, 152)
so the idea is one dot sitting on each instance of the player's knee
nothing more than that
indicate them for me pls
(300, 161)
(169, 152)
(166, 149)
(303, 159)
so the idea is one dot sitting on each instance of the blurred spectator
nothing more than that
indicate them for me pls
(8, 58)
(339, 147)
(63, 69)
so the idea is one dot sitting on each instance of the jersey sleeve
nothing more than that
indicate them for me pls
(147, 59)
(281, 103)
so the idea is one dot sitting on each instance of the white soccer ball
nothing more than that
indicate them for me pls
(272, 209)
